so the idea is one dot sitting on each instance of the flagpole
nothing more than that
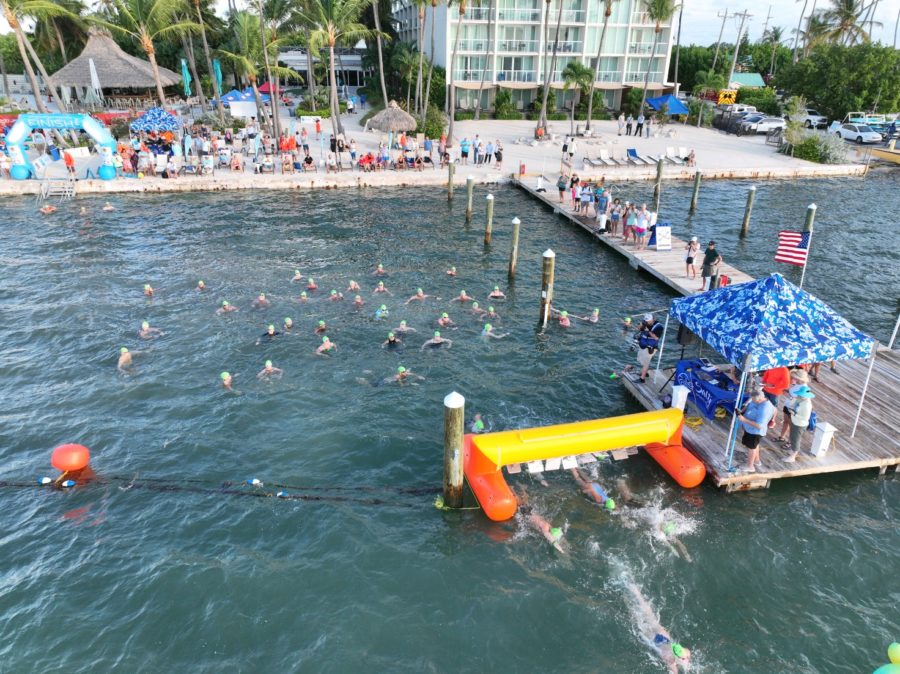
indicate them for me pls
(808, 227)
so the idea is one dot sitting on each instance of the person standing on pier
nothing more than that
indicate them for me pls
(629, 123)
(639, 129)
(621, 122)
(801, 411)
(755, 418)
(693, 250)
(710, 270)
(650, 333)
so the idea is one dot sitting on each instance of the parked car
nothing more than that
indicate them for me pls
(860, 133)
(813, 120)
(763, 124)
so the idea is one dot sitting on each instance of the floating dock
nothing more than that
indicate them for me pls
(877, 440)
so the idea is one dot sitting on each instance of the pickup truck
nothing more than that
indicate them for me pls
(813, 120)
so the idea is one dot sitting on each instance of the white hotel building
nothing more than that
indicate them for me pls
(515, 46)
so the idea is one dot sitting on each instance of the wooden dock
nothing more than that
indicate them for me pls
(875, 445)
(667, 266)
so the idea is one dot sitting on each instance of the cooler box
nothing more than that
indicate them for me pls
(822, 437)
(679, 396)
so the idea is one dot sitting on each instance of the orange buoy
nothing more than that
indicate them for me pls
(70, 458)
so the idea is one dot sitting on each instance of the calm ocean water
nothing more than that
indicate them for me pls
(169, 562)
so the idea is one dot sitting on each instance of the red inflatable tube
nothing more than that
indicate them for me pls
(685, 468)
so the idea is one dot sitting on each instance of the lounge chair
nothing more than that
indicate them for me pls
(683, 153)
(635, 158)
(673, 157)
(606, 159)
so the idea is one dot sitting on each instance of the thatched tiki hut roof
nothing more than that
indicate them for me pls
(115, 68)
(393, 119)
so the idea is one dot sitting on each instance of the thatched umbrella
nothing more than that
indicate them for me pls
(392, 119)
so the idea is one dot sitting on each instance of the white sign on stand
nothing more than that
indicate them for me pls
(663, 237)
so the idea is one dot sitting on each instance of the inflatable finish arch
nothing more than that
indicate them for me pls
(15, 140)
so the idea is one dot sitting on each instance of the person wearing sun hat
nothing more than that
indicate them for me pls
(801, 410)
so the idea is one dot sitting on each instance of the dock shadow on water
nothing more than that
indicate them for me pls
(170, 551)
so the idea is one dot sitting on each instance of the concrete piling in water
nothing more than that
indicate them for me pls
(514, 249)
(657, 188)
(454, 429)
(470, 186)
(547, 286)
(489, 225)
(696, 193)
(451, 169)
(748, 209)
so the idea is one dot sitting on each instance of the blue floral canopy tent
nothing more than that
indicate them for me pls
(156, 119)
(773, 323)
(673, 105)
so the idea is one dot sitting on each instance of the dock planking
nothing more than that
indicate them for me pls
(875, 444)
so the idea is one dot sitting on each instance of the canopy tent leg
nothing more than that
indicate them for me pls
(894, 333)
(862, 396)
(732, 432)
(662, 344)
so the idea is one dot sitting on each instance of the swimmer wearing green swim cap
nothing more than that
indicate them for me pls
(268, 371)
(437, 341)
(477, 424)
(304, 297)
(311, 284)
(379, 270)
(297, 276)
(358, 301)
(418, 297)
(382, 312)
(125, 359)
(353, 287)
(404, 328)
(146, 332)
(488, 331)
(444, 321)
(226, 307)
(260, 302)
(391, 342)
(496, 293)
(670, 651)
(148, 290)
(477, 310)
(493, 315)
(564, 321)
(462, 297)
(593, 490)
(381, 288)
(201, 286)
(226, 379)
(404, 375)
(451, 271)
(335, 296)
(320, 327)
(325, 346)
(288, 324)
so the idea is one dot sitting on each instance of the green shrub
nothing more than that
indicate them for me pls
(808, 149)
(435, 123)
(463, 115)
(557, 116)
(763, 99)
(324, 112)
(211, 119)
(709, 112)
(508, 114)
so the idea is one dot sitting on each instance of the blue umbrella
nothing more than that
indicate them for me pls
(156, 119)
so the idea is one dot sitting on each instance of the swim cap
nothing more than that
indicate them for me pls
(474, 305)
(496, 287)
(479, 425)
(488, 327)
(224, 376)
(564, 314)
(123, 350)
(380, 266)
(418, 291)
(556, 533)
(452, 268)
(262, 296)
(380, 283)
(200, 283)
(311, 280)
(596, 311)
(390, 335)
(462, 292)
(357, 298)
(321, 323)
(147, 286)
(668, 528)
(145, 325)
(610, 504)
(490, 310)
(296, 272)
(303, 294)
(288, 321)
(678, 650)
(445, 315)
(437, 333)
(325, 339)
(268, 363)
(334, 292)
(403, 323)
(271, 327)
(384, 307)
(401, 370)
(224, 303)
(628, 319)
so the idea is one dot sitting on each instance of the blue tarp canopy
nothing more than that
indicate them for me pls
(673, 105)
(156, 119)
(773, 322)
(245, 96)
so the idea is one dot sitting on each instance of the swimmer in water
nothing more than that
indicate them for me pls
(404, 328)
(108, 207)
(490, 313)
(83, 211)
(478, 311)
(382, 312)
(496, 293)
(146, 332)
(260, 302)
(201, 286)
(593, 490)
(488, 331)
(304, 297)
(353, 287)
(404, 375)
(594, 317)
(288, 324)
(553, 535)
(268, 371)
(226, 380)
(420, 296)
(381, 289)
(437, 341)
(148, 290)
(297, 277)
(47, 209)
(670, 651)
(626, 324)
(668, 530)
(379, 270)
(327, 345)
(462, 297)
(268, 335)
(125, 361)
(444, 321)
(451, 271)
(335, 296)
(226, 307)
(477, 425)
(320, 327)
(311, 284)
(358, 302)
(391, 342)
(563, 317)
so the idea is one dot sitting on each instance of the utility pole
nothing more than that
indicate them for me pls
(766, 25)
(678, 49)
(719, 41)
(896, 24)
(737, 45)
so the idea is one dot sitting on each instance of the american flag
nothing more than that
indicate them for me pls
(792, 247)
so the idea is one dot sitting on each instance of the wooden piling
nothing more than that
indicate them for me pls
(451, 169)
(657, 188)
(470, 185)
(808, 227)
(748, 209)
(696, 193)
(547, 286)
(489, 225)
(454, 430)
(514, 249)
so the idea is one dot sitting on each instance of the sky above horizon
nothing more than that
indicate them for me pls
(702, 19)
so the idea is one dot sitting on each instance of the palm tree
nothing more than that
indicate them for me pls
(427, 102)
(818, 31)
(607, 12)
(579, 76)
(376, 12)
(660, 12)
(333, 22)
(542, 118)
(49, 30)
(420, 43)
(846, 20)
(707, 80)
(220, 107)
(146, 21)
(798, 31)
(276, 20)
(451, 106)
(773, 36)
(405, 62)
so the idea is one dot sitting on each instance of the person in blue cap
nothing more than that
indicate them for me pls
(800, 412)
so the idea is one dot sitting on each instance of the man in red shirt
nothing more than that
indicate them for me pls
(775, 382)
(69, 161)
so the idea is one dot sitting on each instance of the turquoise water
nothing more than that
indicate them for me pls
(168, 561)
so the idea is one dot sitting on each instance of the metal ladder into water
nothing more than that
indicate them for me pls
(56, 187)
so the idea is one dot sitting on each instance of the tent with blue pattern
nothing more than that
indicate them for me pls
(673, 105)
(156, 119)
(245, 96)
